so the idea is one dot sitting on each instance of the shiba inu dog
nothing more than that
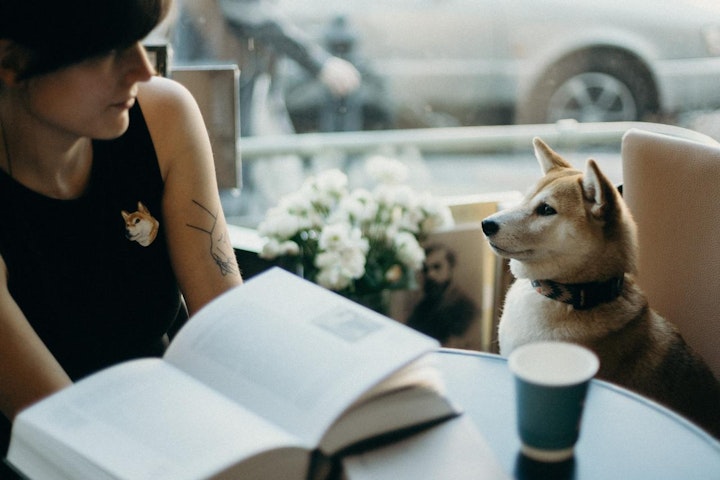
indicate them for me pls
(140, 226)
(573, 251)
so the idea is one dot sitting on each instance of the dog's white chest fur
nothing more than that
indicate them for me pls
(528, 317)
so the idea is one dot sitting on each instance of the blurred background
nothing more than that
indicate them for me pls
(456, 89)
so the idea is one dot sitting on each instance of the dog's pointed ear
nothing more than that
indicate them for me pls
(598, 190)
(547, 158)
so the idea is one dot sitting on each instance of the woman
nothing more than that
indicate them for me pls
(108, 201)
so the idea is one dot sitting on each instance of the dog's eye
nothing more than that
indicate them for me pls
(545, 210)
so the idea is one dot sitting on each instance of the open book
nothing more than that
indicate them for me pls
(253, 386)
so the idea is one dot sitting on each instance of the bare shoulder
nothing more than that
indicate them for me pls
(162, 96)
(174, 121)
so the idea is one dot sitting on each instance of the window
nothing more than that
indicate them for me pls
(457, 88)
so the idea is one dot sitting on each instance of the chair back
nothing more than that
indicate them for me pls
(672, 187)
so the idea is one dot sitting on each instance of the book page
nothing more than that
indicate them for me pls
(292, 351)
(454, 449)
(143, 419)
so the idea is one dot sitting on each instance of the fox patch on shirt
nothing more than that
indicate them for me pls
(140, 226)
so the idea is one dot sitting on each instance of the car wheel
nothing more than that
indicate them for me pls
(594, 86)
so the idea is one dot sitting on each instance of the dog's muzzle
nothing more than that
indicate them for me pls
(490, 227)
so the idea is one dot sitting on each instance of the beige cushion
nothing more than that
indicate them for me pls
(672, 186)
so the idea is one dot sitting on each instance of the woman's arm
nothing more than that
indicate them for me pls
(28, 371)
(200, 250)
(201, 254)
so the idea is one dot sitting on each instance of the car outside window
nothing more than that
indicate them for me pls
(457, 88)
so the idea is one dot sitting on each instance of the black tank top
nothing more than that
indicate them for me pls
(94, 295)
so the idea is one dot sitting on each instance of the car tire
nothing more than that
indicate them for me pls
(592, 86)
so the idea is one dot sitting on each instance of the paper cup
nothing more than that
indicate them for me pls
(551, 382)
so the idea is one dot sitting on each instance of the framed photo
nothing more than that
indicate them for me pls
(449, 301)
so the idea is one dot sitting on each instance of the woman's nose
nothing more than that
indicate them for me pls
(138, 64)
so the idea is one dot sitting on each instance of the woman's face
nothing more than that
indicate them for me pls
(91, 98)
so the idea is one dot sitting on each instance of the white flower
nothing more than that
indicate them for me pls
(338, 268)
(350, 262)
(412, 219)
(359, 206)
(279, 223)
(437, 215)
(408, 250)
(386, 170)
(273, 249)
(342, 236)
(342, 255)
(333, 279)
(353, 240)
(395, 195)
(329, 184)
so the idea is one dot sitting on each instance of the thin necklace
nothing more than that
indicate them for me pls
(7, 150)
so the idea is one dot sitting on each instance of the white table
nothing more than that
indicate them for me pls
(623, 436)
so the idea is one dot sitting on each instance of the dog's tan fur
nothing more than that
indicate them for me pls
(589, 236)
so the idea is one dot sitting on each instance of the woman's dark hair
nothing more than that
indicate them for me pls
(59, 33)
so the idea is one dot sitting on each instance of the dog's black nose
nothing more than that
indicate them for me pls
(490, 227)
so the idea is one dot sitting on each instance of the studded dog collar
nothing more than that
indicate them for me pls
(582, 296)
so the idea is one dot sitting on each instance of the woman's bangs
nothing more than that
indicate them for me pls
(71, 31)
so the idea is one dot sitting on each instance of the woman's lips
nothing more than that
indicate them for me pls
(126, 104)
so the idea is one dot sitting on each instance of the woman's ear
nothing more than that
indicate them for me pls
(13, 60)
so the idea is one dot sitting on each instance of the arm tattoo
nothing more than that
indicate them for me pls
(221, 249)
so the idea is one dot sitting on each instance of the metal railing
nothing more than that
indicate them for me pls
(563, 134)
